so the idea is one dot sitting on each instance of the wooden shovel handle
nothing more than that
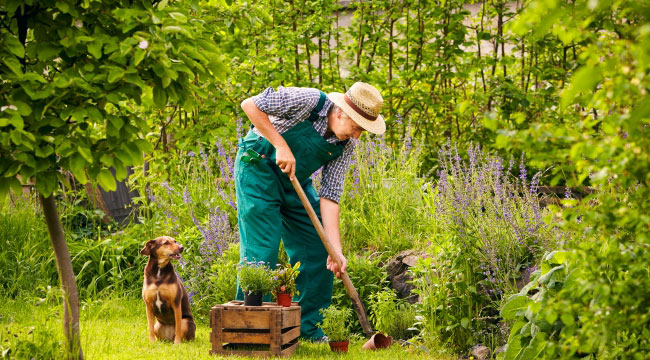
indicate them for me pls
(352, 292)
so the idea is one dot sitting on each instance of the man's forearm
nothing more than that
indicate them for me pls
(330, 214)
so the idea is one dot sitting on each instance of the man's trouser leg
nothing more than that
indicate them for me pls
(303, 244)
(258, 212)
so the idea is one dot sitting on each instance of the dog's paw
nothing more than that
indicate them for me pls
(152, 339)
(177, 341)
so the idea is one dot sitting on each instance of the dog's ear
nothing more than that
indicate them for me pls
(146, 250)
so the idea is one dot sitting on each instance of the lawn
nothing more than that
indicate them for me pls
(117, 329)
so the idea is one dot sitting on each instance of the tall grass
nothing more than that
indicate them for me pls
(26, 258)
(385, 208)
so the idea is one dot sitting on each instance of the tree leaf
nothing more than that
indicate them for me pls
(77, 164)
(13, 64)
(106, 180)
(85, 152)
(14, 46)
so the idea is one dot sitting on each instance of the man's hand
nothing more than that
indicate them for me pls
(285, 160)
(333, 266)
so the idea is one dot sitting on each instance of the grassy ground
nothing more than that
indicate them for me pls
(117, 329)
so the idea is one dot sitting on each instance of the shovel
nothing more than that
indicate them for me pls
(354, 295)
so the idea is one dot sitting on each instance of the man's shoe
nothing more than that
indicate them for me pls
(323, 339)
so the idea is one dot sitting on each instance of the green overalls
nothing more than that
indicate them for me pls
(269, 210)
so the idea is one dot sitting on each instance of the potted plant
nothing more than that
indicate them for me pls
(284, 284)
(335, 326)
(255, 281)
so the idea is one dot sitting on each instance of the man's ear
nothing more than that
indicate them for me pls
(146, 250)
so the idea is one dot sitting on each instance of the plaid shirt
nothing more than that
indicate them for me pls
(287, 107)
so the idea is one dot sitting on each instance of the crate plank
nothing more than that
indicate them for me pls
(243, 319)
(243, 337)
(291, 317)
(288, 351)
(290, 335)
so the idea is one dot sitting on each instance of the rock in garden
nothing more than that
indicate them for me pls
(399, 276)
(480, 352)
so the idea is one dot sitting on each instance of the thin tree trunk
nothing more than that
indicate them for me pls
(66, 274)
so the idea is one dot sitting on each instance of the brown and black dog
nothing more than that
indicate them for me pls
(163, 293)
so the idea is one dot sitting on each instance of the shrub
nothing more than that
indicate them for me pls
(491, 234)
(368, 276)
(390, 315)
(335, 323)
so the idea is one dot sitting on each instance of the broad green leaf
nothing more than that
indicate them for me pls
(464, 322)
(46, 52)
(14, 46)
(106, 180)
(77, 164)
(535, 350)
(514, 348)
(46, 183)
(85, 152)
(120, 169)
(95, 49)
(515, 304)
(180, 17)
(159, 97)
(584, 80)
(6, 184)
(115, 74)
(13, 64)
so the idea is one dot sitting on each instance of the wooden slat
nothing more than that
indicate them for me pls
(243, 319)
(288, 351)
(290, 335)
(291, 317)
(217, 330)
(246, 353)
(244, 337)
(275, 323)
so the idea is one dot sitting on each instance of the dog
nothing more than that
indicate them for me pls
(168, 305)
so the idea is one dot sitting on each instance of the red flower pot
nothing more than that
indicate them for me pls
(339, 346)
(284, 299)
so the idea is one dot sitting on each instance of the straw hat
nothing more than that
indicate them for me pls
(362, 103)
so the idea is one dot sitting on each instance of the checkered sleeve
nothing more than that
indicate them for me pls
(334, 173)
(287, 102)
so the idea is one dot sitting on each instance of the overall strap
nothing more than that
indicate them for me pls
(313, 116)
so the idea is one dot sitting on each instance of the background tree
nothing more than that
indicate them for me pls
(75, 81)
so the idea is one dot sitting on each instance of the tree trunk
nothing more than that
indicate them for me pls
(66, 274)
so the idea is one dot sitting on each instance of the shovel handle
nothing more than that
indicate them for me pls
(352, 292)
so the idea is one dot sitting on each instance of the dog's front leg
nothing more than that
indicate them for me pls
(150, 322)
(178, 326)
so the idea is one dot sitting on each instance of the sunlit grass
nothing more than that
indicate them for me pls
(117, 329)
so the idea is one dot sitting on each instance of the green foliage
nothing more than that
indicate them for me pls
(73, 77)
(285, 279)
(368, 276)
(26, 260)
(255, 277)
(335, 323)
(384, 208)
(390, 315)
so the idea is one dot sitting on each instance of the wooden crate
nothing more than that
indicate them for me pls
(267, 330)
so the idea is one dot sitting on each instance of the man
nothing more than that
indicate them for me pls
(296, 132)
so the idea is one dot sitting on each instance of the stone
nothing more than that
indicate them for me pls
(399, 276)
(480, 352)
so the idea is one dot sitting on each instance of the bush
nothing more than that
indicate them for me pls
(368, 276)
(335, 323)
(390, 315)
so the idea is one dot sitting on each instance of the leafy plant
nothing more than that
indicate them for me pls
(335, 323)
(284, 279)
(255, 277)
(390, 315)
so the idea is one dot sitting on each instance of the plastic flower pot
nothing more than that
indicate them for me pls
(339, 346)
(253, 299)
(284, 299)
(377, 341)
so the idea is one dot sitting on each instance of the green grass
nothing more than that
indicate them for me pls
(117, 329)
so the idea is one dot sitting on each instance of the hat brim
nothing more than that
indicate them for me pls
(377, 126)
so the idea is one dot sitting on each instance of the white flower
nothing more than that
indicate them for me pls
(78, 24)
(143, 44)
(10, 107)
